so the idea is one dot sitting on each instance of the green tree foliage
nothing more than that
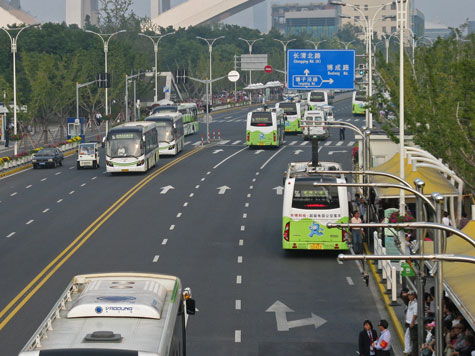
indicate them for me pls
(439, 102)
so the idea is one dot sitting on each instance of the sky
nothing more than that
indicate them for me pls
(448, 12)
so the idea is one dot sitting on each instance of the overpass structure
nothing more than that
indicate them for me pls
(199, 12)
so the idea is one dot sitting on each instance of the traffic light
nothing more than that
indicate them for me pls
(361, 71)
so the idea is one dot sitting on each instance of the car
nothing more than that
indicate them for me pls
(88, 155)
(48, 157)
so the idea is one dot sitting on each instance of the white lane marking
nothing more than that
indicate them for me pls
(246, 205)
(292, 143)
(350, 281)
(172, 227)
(253, 179)
(238, 279)
(71, 167)
(11, 234)
(164, 242)
(339, 143)
(251, 187)
(238, 304)
(203, 179)
(46, 210)
(44, 179)
(243, 228)
(328, 143)
(28, 186)
(178, 215)
(155, 259)
(191, 195)
(187, 143)
(228, 117)
(223, 142)
(208, 173)
(244, 216)
(197, 186)
(237, 336)
(105, 172)
(29, 222)
(239, 259)
(224, 160)
(197, 143)
(236, 142)
(71, 192)
(241, 242)
(304, 143)
(257, 173)
(57, 173)
(275, 154)
(93, 178)
(185, 204)
(351, 143)
(320, 148)
(13, 194)
(59, 201)
(249, 195)
(82, 185)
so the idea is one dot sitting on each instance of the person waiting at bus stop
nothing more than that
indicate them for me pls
(383, 344)
(356, 234)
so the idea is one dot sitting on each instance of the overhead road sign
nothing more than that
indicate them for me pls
(320, 69)
(253, 61)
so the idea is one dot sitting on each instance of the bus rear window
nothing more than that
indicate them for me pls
(261, 119)
(317, 97)
(308, 197)
(360, 96)
(289, 108)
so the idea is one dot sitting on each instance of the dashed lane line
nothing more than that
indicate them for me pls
(237, 336)
(11, 234)
(29, 222)
(238, 279)
(350, 281)
(44, 179)
(46, 210)
(178, 215)
(244, 216)
(241, 242)
(243, 228)
(172, 227)
(292, 143)
(237, 304)
(191, 195)
(304, 143)
(185, 204)
(164, 242)
(239, 259)
(59, 201)
(155, 259)
(28, 186)
(13, 194)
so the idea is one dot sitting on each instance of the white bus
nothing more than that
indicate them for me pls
(307, 208)
(130, 314)
(317, 98)
(265, 128)
(171, 138)
(189, 112)
(132, 147)
(294, 112)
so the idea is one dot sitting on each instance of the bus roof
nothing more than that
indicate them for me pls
(305, 169)
(139, 309)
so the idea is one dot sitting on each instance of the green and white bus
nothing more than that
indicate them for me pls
(265, 128)
(358, 103)
(171, 138)
(189, 112)
(104, 314)
(294, 112)
(307, 208)
(132, 147)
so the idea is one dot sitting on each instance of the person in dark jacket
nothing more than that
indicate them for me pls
(366, 338)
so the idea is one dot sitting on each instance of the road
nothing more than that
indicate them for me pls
(218, 229)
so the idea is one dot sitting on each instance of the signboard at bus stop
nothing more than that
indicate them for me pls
(320, 69)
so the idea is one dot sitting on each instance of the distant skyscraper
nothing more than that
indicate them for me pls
(78, 10)
(159, 6)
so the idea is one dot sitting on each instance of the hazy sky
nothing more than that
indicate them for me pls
(447, 12)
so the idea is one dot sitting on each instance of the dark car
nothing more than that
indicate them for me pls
(48, 157)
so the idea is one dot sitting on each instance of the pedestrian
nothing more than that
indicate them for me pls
(463, 221)
(411, 321)
(366, 339)
(446, 219)
(356, 234)
(362, 209)
(383, 344)
(342, 133)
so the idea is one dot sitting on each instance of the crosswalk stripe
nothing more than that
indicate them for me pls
(339, 143)
(223, 142)
(187, 143)
(292, 143)
(351, 143)
(304, 143)
(328, 143)
(236, 142)
(197, 143)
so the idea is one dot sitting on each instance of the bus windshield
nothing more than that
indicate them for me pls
(124, 144)
(317, 97)
(360, 96)
(163, 109)
(165, 131)
(261, 119)
(307, 196)
(289, 108)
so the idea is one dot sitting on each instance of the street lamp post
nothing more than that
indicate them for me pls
(155, 40)
(210, 42)
(105, 37)
(315, 43)
(284, 44)
(250, 43)
(346, 44)
(13, 45)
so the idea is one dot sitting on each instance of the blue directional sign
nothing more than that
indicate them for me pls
(320, 69)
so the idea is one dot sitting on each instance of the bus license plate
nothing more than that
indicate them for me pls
(261, 143)
(316, 246)
(125, 170)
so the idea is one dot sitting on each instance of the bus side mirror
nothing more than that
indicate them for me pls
(190, 306)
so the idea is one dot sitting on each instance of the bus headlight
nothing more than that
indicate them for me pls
(140, 163)
(109, 163)
(171, 147)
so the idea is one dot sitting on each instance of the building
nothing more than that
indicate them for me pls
(435, 30)
(279, 13)
(78, 11)
(318, 24)
(159, 6)
(471, 27)
(418, 23)
(11, 14)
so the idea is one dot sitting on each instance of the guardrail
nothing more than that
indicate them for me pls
(388, 270)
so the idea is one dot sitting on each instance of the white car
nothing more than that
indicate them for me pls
(311, 128)
(88, 155)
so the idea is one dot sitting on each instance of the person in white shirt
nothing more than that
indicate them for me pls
(411, 321)
(383, 344)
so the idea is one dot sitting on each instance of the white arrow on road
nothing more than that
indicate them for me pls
(222, 190)
(332, 152)
(306, 71)
(279, 190)
(296, 152)
(166, 189)
(281, 310)
(258, 151)
(217, 151)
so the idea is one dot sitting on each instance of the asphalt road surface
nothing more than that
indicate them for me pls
(218, 228)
